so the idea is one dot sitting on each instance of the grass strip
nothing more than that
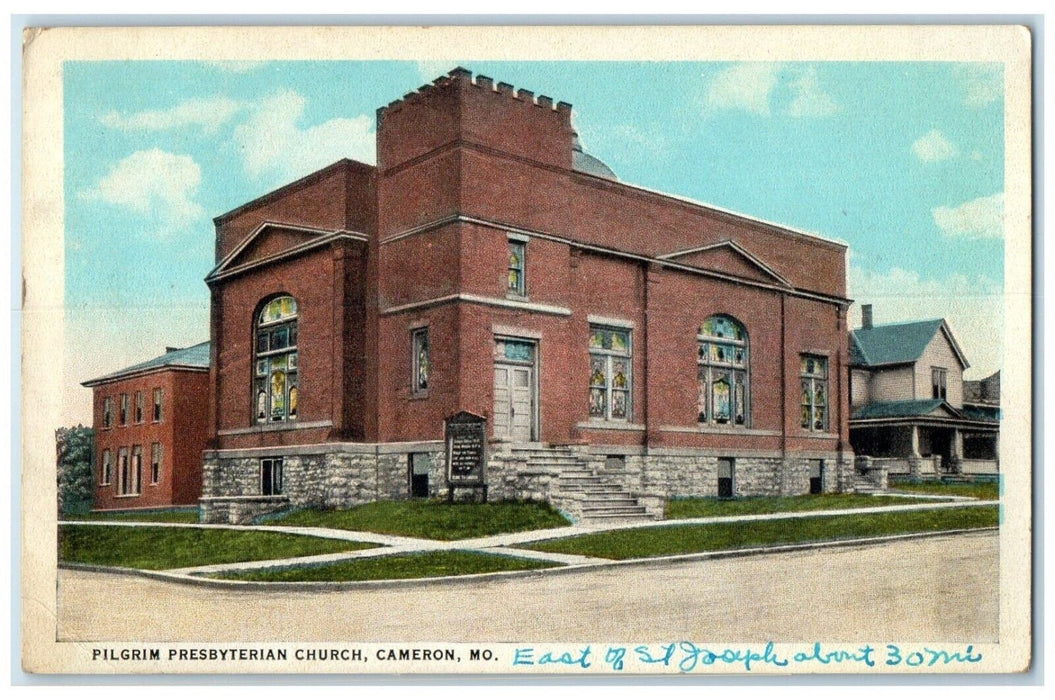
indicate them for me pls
(685, 539)
(177, 547)
(989, 491)
(711, 507)
(396, 566)
(157, 516)
(434, 520)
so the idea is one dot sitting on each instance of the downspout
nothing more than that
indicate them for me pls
(644, 343)
(783, 381)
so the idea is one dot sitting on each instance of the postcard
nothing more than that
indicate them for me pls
(527, 350)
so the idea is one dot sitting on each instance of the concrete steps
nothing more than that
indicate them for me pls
(864, 486)
(602, 501)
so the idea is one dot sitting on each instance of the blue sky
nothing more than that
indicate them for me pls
(903, 161)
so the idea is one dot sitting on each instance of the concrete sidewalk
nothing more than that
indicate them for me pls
(502, 545)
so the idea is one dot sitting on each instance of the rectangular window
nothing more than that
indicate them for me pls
(122, 470)
(159, 398)
(108, 412)
(271, 476)
(422, 364)
(419, 474)
(939, 383)
(517, 283)
(726, 475)
(610, 370)
(124, 410)
(139, 407)
(816, 476)
(106, 471)
(136, 472)
(156, 455)
(814, 376)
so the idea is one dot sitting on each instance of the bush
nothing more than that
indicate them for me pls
(75, 448)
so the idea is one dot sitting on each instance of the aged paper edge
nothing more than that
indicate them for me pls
(44, 50)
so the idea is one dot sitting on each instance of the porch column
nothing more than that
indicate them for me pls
(915, 441)
(956, 448)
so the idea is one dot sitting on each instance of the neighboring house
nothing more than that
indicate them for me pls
(150, 430)
(910, 401)
(611, 336)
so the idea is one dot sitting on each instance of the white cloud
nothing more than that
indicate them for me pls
(235, 66)
(810, 100)
(764, 88)
(983, 83)
(974, 308)
(153, 183)
(744, 86)
(933, 146)
(273, 144)
(209, 113)
(977, 218)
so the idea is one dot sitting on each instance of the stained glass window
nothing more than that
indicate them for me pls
(515, 280)
(723, 374)
(814, 379)
(610, 373)
(422, 363)
(275, 368)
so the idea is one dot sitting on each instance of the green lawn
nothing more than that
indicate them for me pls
(177, 547)
(397, 566)
(709, 507)
(157, 516)
(985, 491)
(434, 520)
(683, 539)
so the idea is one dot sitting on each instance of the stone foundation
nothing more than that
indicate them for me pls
(348, 475)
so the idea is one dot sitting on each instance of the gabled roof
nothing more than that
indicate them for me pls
(898, 343)
(738, 250)
(313, 238)
(196, 357)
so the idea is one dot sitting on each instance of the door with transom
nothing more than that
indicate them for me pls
(514, 391)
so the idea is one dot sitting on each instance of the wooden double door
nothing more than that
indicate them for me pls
(515, 401)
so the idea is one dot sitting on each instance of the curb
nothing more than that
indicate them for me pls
(336, 586)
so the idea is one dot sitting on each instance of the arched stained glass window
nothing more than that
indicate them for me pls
(276, 370)
(723, 373)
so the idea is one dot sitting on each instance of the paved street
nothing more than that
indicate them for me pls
(942, 588)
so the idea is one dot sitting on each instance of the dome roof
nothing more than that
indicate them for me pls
(583, 162)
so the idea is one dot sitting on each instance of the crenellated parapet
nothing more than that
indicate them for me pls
(459, 107)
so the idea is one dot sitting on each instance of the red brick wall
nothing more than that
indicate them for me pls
(329, 287)
(182, 433)
(477, 113)
(340, 196)
(609, 214)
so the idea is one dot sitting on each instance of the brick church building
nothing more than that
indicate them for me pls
(616, 340)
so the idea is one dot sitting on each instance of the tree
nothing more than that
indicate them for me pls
(75, 448)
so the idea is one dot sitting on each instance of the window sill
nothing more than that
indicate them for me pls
(610, 425)
(418, 396)
(276, 427)
(819, 436)
(718, 430)
(512, 296)
(128, 495)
